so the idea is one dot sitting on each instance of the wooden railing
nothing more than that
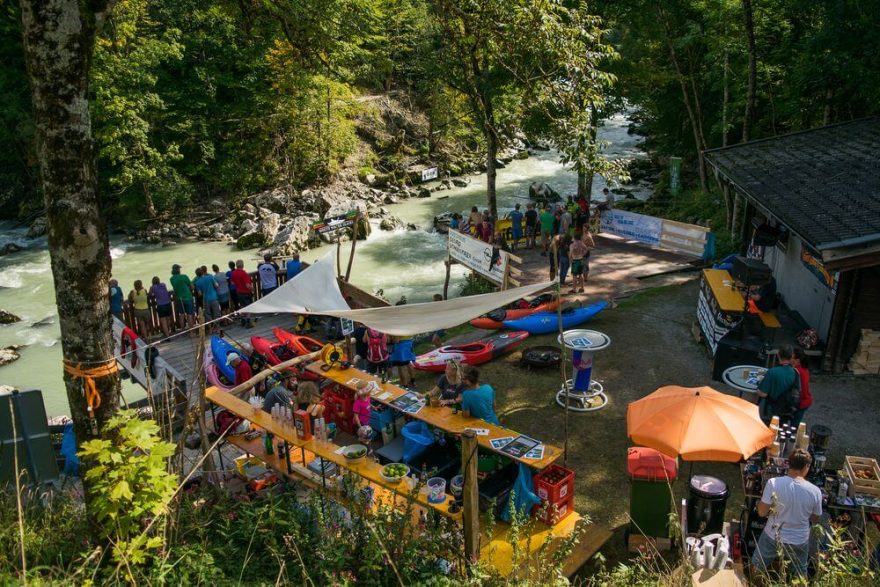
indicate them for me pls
(357, 298)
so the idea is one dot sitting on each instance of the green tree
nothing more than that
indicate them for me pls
(137, 161)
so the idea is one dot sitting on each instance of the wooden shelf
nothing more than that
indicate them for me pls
(367, 469)
(439, 417)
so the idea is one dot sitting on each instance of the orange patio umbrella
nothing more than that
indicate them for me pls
(697, 424)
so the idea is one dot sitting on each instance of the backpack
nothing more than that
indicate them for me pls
(377, 347)
(790, 401)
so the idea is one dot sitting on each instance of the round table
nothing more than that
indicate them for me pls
(582, 393)
(743, 378)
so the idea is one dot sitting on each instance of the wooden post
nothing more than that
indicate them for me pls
(279, 368)
(471, 496)
(448, 264)
(354, 240)
(338, 262)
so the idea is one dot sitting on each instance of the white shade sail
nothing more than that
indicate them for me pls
(316, 291)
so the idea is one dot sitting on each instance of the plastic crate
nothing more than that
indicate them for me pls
(555, 484)
(339, 410)
(554, 513)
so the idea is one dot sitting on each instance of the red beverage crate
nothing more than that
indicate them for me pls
(554, 512)
(554, 484)
(339, 411)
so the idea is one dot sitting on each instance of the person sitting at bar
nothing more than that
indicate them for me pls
(449, 385)
(793, 504)
(242, 368)
(764, 297)
(478, 401)
(283, 393)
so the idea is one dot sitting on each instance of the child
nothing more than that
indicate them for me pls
(377, 353)
(361, 410)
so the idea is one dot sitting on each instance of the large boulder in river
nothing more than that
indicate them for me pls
(542, 192)
(269, 226)
(250, 240)
(461, 182)
(391, 223)
(247, 225)
(8, 317)
(276, 200)
(293, 237)
(9, 355)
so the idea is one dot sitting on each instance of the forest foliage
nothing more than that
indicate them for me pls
(199, 100)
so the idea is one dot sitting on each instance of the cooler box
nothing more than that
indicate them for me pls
(651, 474)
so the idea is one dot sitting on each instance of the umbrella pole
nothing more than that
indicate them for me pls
(562, 360)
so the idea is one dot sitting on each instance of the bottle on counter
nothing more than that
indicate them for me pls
(267, 442)
(803, 441)
(423, 476)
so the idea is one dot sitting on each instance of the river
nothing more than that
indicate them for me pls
(401, 263)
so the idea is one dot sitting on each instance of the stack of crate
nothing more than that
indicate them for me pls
(866, 359)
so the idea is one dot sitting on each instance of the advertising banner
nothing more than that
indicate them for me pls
(477, 255)
(335, 223)
(638, 227)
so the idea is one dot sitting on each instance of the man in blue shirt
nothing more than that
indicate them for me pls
(115, 294)
(207, 286)
(776, 386)
(478, 401)
(516, 218)
(293, 266)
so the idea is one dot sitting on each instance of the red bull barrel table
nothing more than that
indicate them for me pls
(582, 393)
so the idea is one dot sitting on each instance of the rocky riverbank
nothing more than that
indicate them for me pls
(280, 220)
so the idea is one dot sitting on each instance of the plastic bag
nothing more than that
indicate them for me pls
(524, 497)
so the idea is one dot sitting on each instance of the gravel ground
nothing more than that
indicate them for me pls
(652, 346)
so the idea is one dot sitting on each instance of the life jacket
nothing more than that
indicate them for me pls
(377, 346)
(128, 344)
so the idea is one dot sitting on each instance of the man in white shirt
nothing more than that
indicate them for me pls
(268, 271)
(792, 505)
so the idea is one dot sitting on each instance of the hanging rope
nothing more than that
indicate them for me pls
(93, 398)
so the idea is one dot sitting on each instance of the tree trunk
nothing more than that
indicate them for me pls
(695, 127)
(491, 172)
(585, 183)
(753, 67)
(59, 37)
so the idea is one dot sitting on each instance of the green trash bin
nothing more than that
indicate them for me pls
(651, 474)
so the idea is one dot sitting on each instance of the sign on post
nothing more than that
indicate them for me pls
(659, 232)
(479, 256)
(429, 173)
(347, 326)
(335, 223)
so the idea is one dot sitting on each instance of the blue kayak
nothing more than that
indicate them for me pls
(547, 322)
(220, 348)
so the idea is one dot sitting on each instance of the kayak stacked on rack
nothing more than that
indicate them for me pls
(472, 353)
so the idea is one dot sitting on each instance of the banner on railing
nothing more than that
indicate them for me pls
(479, 256)
(638, 227)
(669, 234)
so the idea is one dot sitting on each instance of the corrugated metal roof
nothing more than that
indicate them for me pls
(823, 183)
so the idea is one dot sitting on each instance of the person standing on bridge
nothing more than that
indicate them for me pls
(183, 293)
(244, 289)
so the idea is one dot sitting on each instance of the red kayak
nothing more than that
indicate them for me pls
(299, 344)
(495, 319)
(473, 353)
(276, 352)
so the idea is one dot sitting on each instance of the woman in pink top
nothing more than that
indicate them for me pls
(579, 255)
